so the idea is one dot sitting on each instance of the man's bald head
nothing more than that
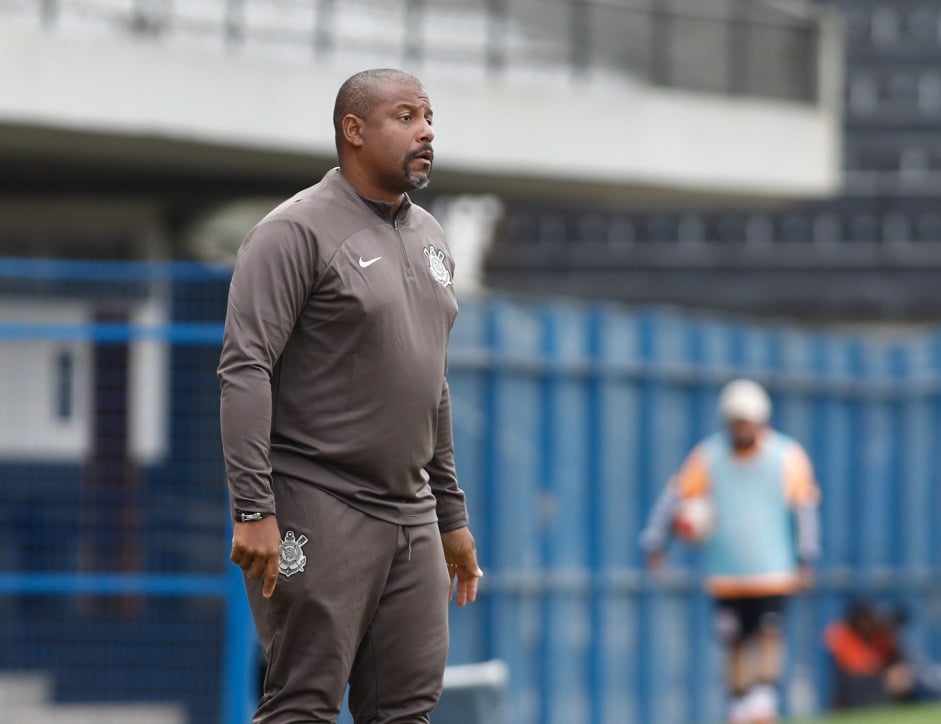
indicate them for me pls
(360, 93)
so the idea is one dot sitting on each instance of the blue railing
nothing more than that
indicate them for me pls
(567, 420)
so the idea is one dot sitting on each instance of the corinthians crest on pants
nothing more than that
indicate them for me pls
(292, 559)
(436, 265)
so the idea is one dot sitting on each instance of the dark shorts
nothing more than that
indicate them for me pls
(737, 619)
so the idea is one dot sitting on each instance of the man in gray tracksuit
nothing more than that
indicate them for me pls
(336, 426)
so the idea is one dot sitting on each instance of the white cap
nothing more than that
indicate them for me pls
(745, 400)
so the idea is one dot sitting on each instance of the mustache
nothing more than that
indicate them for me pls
(426, 149)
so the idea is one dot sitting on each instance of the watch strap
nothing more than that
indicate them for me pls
(247, 516)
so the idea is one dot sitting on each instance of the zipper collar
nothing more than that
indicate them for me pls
(382, 209)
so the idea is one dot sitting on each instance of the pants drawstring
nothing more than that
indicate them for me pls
(408, 540)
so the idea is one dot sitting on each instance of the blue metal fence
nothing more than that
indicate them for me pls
(114, 581)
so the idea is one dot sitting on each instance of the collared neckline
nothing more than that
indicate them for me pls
(382, 209)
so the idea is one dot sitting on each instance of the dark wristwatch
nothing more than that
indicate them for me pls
(244, 516)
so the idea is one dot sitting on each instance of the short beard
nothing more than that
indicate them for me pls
(418, 182)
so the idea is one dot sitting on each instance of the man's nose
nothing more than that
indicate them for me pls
(427, 133)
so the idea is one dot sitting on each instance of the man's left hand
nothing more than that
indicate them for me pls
(460, 553)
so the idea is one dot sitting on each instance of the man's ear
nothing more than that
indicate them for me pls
(352, 130)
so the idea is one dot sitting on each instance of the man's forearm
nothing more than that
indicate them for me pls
(442, 472)
(656, 533)
(245, 417)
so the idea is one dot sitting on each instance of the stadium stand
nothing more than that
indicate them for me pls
(230, 100)
(872, 251)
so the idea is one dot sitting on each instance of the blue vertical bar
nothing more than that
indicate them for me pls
(646, 648)
(934, 467)
(238, 666)
(854, 511)
(596, 528)
(486, 529)
(697, 661)
(815, 660)
(916, 443)
(835, 473)
(549, 483)
(934, 470)
(898, 493)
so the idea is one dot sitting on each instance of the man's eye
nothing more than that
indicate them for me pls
(429, 120)
(405, 117)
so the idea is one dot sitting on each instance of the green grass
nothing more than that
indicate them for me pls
(894, 715)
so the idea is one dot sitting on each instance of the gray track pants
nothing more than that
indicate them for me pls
(369, 608)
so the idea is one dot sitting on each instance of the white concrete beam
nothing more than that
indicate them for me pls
(615, 138)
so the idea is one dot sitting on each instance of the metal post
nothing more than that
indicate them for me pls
(414, 13)
(826, 65)
(142, 20)
(323, 37)
(644, 601)
(549, 483)
(234, 22)
(660, 37)
(49, 12)
(594, 442)
(700, 418)
(238, 690)
(487, 529)
(496, 25)
(579, 37)
(737, 61)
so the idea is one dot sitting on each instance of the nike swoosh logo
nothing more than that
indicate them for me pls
(365, 264)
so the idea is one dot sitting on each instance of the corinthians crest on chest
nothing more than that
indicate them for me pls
(437, 265)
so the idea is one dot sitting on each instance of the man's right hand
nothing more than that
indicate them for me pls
(256, 548)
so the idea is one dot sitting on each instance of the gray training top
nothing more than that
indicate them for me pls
(334, 356)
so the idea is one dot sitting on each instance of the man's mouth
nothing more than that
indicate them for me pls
(426, 154)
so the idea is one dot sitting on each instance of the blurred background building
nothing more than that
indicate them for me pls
(594, 158)
(870, 252)
(130, 128)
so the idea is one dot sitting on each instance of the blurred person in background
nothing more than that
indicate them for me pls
(870, 663)
(349, 524)
(759, 539)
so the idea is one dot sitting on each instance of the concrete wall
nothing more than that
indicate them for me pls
(69, 94)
